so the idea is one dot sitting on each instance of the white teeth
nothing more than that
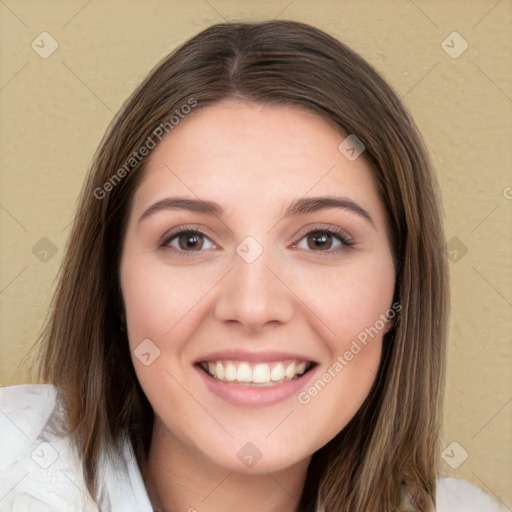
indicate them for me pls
(219, 370)
(244, 373)
(301, 367)
(277, 372)
(229, 371)
(290, 371)
(260, 373)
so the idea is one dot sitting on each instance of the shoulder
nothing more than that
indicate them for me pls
(454, 495)
(39, 468)
(25, 409)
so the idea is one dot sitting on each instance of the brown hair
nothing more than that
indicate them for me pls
(392, 443)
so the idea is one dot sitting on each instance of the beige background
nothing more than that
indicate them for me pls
(55, 110)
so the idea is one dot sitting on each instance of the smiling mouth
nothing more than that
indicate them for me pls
(258, 374)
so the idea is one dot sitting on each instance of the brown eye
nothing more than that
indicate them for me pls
(319, 240)
(187, 241)
(190, 240)
(329, 240)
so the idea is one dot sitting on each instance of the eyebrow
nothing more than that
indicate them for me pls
(300, 206)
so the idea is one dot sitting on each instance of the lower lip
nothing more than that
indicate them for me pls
(253, 396)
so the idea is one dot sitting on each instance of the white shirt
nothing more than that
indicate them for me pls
(40, 470)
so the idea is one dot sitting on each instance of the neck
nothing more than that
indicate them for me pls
(179, 477)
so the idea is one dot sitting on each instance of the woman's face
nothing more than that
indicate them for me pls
(220, 322)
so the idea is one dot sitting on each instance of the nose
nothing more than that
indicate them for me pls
(255, 294)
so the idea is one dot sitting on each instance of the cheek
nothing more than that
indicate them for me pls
(350, 301)
(156, 299)
(339, 390)
(349, 304)
(164, 306)
(159, 308)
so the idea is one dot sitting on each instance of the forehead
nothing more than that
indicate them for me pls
(238, 152)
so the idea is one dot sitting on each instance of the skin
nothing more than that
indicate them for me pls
(253, 160)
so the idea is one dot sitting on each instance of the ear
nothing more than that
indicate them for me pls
(390, 324)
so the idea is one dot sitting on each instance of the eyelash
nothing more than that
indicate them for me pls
(346, 242)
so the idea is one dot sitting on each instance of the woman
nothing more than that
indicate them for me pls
(252, 309)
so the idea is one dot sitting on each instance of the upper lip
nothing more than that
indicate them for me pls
(252, 356)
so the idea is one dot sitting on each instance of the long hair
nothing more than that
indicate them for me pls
(390, 449)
